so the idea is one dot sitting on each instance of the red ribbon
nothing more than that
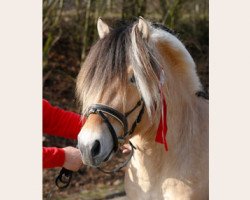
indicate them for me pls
(162, 128)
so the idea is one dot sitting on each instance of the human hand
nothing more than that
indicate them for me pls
(126, 148)
(73, 159)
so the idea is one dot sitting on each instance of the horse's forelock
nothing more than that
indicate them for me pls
(109, 58)
(106, 61)
(147, 70)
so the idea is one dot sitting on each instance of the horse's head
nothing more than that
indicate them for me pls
(121, 69)
(121, 73)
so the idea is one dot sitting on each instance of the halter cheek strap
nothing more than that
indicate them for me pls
(101, 110)
(122, 118)
(97, 108)
(111, 130)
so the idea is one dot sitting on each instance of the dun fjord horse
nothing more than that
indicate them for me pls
(136, 80)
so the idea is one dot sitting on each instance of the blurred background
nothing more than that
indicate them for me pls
(69, 30)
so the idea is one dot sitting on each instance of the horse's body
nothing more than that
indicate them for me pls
(180, 173)
(154, 173)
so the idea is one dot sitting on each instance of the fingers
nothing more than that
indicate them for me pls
(126, 148)
(126, 151)
(73, 160)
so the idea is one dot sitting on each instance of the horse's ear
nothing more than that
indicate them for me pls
(143, 27)
(102, 28)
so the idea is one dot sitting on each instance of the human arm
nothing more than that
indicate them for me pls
(59, 122)
(68, 157)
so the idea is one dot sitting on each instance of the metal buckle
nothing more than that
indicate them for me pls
(63, 179)
(121, 140)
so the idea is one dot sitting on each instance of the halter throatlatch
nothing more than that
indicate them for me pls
(101, 110)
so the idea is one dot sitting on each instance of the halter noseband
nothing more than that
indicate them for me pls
(101, 110)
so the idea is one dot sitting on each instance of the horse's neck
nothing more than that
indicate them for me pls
(184, 137)
(146, 161)
(187, 120)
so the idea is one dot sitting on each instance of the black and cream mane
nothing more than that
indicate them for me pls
(109, 58)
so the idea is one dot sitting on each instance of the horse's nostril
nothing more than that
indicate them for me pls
(96, 149)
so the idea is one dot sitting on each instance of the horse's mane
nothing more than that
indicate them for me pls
(108, 60)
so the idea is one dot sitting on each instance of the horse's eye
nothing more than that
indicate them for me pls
(132, 79)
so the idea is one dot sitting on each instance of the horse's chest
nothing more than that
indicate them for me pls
(174, 189)
(170, 189)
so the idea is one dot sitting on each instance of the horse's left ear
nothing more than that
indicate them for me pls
(143, 27)
(102, 28)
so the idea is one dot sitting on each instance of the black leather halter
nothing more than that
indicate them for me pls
(101, 110)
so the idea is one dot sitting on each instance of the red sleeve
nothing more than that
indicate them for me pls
(53, 157)
(61, 123)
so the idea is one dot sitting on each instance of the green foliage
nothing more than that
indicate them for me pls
(74, 22)
(52, 11)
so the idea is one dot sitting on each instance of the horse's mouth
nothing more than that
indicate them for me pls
(96, 162)
(109, 156)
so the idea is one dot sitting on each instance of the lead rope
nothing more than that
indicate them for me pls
(62, 181)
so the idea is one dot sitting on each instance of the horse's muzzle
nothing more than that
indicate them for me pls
(95, 148)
